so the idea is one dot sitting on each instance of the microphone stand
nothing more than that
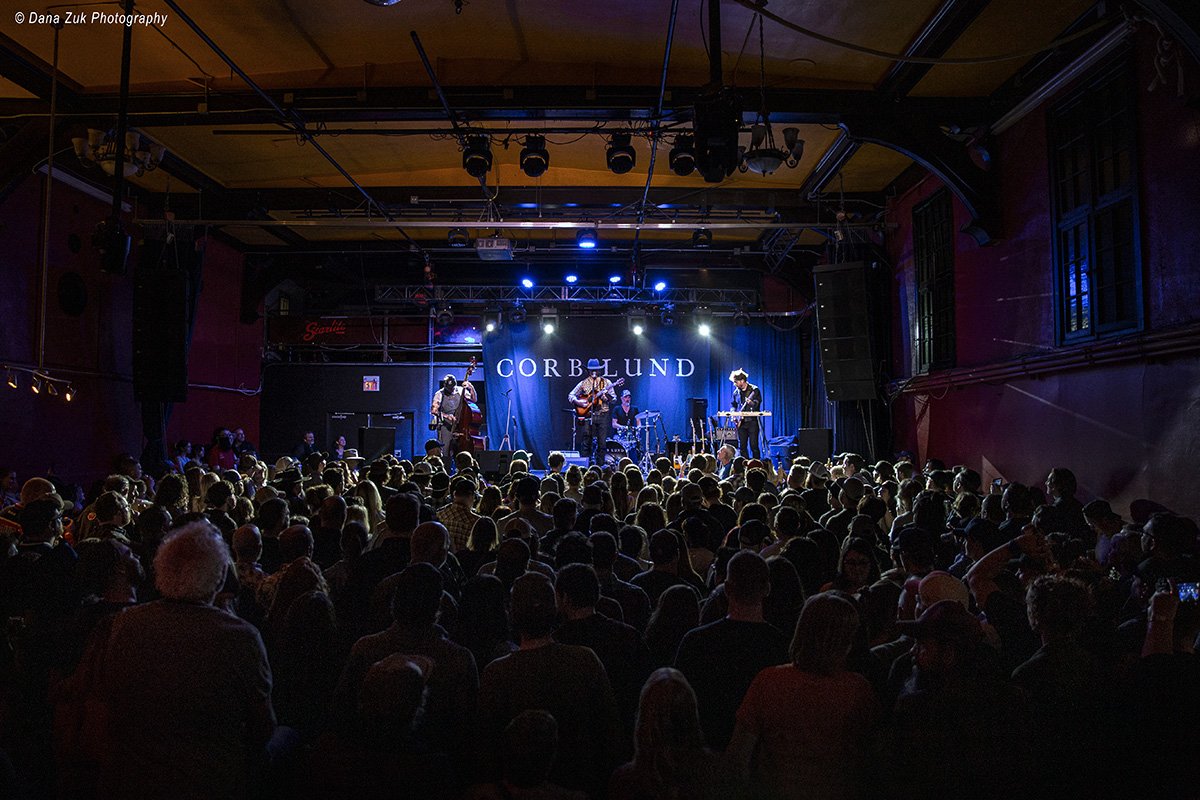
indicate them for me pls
(506, 442)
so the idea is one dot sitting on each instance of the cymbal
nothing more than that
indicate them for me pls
(646, 415)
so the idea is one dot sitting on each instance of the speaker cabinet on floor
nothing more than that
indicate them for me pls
(376, 442)
(816, 443)
(844, 331)
(494, 463)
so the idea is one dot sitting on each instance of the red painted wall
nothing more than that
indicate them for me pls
(1128, 430)
(79, 440)
(225, 353)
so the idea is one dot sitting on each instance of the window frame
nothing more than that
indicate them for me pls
(1119, 74)
(934, 283)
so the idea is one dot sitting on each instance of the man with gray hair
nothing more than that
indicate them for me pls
(187, 685)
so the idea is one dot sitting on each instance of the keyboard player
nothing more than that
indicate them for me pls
(746, 397)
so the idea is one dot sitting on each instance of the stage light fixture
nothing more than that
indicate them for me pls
(586, 238)
(660, 286)
(51, 389)
(620, 155)
(535, 159)
(527, 283)
(668, 316)
(491, 321)
(69, 394)
(614, 278)
(458, 237)
(572, 278)
(637, 323)
(36, 385)
(443, 316)
(705, 329)
(477, 156)
(12, 379)
(517, 314)
(741, 317)
(701, 238)
(683, 155)
(703, 318)
(549, 320)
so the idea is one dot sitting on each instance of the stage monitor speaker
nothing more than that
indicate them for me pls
(494, 463)
(844, 332)
(160, 330)
(816, 443)
(376, 442)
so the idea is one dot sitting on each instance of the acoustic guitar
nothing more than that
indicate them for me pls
(588, 402)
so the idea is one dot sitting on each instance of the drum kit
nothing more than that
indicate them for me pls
(634, 441)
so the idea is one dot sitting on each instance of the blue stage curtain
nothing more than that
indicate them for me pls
(663, 368)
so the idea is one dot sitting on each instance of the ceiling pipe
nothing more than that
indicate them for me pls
(658, 110)
(289, 117)
(512, 224)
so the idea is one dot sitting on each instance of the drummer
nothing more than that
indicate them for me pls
(624, 415)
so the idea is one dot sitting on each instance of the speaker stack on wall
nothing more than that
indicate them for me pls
(844, 331)
(160, 328)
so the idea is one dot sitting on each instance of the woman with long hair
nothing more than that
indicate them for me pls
(481, 546)
(650, 517)
(677, 612)
(369, 494)
(670, 761)
(619, 487)
(804, 729)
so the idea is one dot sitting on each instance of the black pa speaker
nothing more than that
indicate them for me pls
(494, 463)
(816, 443)
(160, 329)
(844, 331)
(376, 442)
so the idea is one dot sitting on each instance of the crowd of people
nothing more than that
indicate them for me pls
(334, 628)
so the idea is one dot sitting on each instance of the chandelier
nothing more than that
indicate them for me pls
(101, 148)
(763, 156)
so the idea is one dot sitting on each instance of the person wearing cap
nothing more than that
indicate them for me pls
(566, 680)
(625, 414)
(39, 578)
(593, 396)
(950, 716)
(447, 408)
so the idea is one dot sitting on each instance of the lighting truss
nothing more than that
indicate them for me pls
(401, 294)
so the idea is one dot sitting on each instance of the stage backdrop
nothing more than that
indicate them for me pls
(663, 368)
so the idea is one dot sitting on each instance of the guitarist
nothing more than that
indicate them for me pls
(449, 402)
(746, 397)
(594, 393)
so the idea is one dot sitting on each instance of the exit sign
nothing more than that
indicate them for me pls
(370, 383)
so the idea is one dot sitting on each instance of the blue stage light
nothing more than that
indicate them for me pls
(527, 283)
(660, 285)
(586, 238)
(571, 278)
(614, 278)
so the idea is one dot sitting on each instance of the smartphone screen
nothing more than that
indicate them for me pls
(1188, 592)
